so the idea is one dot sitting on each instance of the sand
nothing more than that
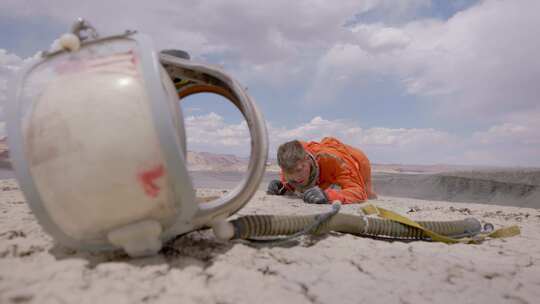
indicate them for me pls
(336, 268)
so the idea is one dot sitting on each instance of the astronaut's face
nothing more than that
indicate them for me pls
(300, 173)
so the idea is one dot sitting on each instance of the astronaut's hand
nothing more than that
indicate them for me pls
(315, 195)
(276, 187)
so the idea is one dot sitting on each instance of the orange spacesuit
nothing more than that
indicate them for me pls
(344, 172)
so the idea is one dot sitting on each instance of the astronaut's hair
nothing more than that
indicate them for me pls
(289, 154)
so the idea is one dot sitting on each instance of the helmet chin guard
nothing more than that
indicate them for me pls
(99, 146)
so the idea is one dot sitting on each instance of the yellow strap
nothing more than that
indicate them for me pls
(505, 232)
(387, 214)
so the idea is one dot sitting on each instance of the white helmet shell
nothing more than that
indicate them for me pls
(93, 150)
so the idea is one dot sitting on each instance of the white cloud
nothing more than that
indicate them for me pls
(9, 63)
(471, 63)
(381, 144)
(472, 67)
(516, 142)
(210, 132)
(481, 64)
(504, 145)
(379, 38)
(505, 133)
(251, 28)
(256, 38)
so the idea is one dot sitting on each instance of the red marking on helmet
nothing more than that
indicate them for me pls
(134, 58)
(148, 178)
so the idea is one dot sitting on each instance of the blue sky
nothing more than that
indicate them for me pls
(412, 81)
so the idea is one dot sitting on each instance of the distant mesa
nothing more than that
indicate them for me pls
(197, 161)
(206, 161)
